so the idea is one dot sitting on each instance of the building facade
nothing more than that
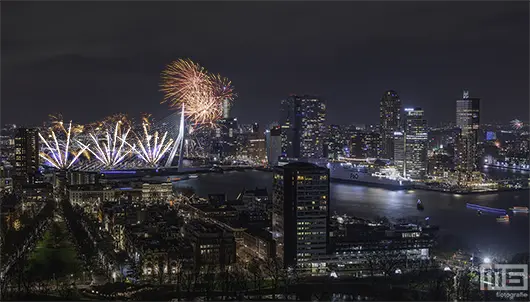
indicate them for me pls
(301, 214)
(256, 148)
(212, 245)
(337, 141)
(390, 121)
(226, 138)
(302, 123)
(7, 143)
(399, 151)
(26, 154)
(365, 144)
(274, 145)
(257, 205)
(468, 122)
(416, 141)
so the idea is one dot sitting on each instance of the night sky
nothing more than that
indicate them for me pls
(88, 60)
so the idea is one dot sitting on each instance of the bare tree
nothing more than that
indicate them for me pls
(162, 267)
(208, 280)
(384, 262)
(189, 278)
(256, 271)
(275, 271)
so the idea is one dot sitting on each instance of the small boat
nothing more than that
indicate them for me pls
(485, 209)
(479, 212)
(193, 176)
(419, 205)
(519, 210)
(504, 218)
(217, 170)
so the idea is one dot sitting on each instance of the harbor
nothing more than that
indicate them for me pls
(459, 226)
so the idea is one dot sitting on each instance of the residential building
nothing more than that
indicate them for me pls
(212, 245)
(26, 154)
(301, 214)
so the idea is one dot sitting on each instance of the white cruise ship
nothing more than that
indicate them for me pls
(365, 173)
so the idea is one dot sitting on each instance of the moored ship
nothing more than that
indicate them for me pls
(519, 210)
(368, 174)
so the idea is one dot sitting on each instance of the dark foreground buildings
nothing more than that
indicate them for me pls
(26, 155)
(301, 214)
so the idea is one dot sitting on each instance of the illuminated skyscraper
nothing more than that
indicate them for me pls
(337, 141)
(7, 143)
(416, 140)
(390, 116)
(302, 123)
(256, 146)
(225, 138)
(399, 152)
(274, 145)
(301, 211)
(26, 154)
(365, 144)
(468, 121)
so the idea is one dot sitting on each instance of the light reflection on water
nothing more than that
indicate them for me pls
(445, 210)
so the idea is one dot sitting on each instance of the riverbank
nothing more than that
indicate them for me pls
(468, 192)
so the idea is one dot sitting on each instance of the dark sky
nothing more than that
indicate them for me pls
(91, 59)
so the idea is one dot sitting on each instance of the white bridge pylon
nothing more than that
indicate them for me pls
(179, 144)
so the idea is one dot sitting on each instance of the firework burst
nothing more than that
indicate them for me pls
(516, 124)
(185, 83)
(151, 148)
(110, 150)
(58, 151)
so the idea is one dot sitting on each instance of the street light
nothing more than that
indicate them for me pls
(486, 260)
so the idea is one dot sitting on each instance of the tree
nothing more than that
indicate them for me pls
(274, 270)
(256, 271)
(208, 280)
(383, 261)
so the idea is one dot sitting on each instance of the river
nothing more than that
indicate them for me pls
(448, 211)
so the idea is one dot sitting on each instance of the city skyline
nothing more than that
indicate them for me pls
(425, 67)
(282, 151)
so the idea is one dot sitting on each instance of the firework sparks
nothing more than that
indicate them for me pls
(151, 147)
(202, 93)
(110, 150)
(516, 124)
(57, 152)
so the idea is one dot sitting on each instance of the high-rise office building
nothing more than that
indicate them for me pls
(226, 138)
(26, 154)
(390, 121)
(399, 151)
(301, 212)
(416, 141)
(365, 144)
(302, 122)
(337, 140)
(256, 146)
(7, 143)
(468, 121)
(274, 145)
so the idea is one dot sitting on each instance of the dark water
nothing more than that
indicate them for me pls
(445, 210)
